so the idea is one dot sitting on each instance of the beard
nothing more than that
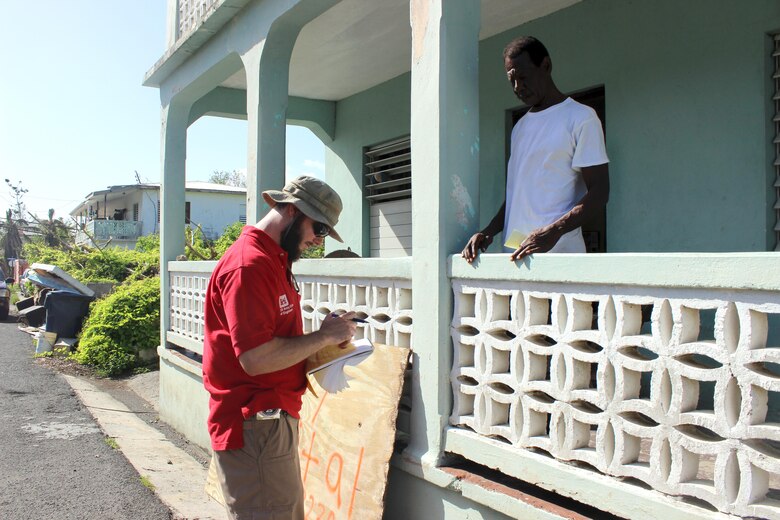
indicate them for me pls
(291, 240)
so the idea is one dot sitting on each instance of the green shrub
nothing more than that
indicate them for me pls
(93, 265)
(120, 326)
(229, 235)
(314, 252)
(197, 246)
(148, 244)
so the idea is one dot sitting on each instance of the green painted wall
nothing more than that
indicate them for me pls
(688, 103)
(363, 120)
(687, 85)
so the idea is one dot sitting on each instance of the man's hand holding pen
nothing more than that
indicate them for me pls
(339, 327)
(355, 319)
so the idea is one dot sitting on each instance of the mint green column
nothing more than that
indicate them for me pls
(445, 174)
(267, 77)
(267, 66)
(175, 117)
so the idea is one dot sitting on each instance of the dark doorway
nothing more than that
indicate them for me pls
(594, 231)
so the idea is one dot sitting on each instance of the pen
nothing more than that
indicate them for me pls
(356, 320)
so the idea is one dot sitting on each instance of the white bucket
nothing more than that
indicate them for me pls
(44, 342)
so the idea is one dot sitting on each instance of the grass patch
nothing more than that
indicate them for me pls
(60, 352)
(146, 482)
(111, 442)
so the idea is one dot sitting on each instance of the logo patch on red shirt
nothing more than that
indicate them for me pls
(285, 307)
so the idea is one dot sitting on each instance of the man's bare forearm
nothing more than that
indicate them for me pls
(280, 353)
(597, 181)
(496, 225)
(579, 214)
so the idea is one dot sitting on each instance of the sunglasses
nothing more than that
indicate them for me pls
(320, 230)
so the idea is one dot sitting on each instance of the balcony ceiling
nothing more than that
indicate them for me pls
(358, 44)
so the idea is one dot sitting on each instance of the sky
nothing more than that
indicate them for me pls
(74, 117)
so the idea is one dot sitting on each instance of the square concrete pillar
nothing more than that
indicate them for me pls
(445, 174)
(267, 75)
(175, 117)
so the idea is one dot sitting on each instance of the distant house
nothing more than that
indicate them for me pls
(125, 212)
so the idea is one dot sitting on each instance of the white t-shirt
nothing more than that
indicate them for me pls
(548, 150)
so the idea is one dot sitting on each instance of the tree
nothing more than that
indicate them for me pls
(18, 193)
(235, 178)
(12, 239)
(55, 232)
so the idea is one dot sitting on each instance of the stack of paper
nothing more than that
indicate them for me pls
(327, 365)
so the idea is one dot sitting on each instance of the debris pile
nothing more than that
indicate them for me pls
(55, 314)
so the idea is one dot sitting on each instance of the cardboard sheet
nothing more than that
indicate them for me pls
(346, 439)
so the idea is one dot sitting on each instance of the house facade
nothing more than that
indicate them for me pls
(124, 213)
(640, 382)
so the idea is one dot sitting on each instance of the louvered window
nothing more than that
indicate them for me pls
(776, 77)
(388, 188)
(389, 171)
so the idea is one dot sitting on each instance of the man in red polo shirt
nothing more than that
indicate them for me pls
(255, 350)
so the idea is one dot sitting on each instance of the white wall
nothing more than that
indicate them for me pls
(147, 211)
(215, 211)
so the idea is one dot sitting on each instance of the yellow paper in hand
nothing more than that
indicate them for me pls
(514, 239)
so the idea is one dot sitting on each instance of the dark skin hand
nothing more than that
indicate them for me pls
(543, 239)
(479, 242)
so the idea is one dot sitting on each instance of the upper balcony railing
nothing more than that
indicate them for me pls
(190, 13)
(102, 230)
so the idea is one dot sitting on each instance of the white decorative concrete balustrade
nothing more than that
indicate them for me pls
(671, 387)
(378, 290)
(188, 297)
(383, 300)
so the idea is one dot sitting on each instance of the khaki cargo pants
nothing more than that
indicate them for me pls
(262, 480)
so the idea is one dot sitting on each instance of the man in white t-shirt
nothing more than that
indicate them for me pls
(557, 176)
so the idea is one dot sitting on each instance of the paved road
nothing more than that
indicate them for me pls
(54, 461)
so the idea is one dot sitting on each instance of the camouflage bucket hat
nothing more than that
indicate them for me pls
(313, 197)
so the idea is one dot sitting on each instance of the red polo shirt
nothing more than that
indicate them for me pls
(249, 301)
